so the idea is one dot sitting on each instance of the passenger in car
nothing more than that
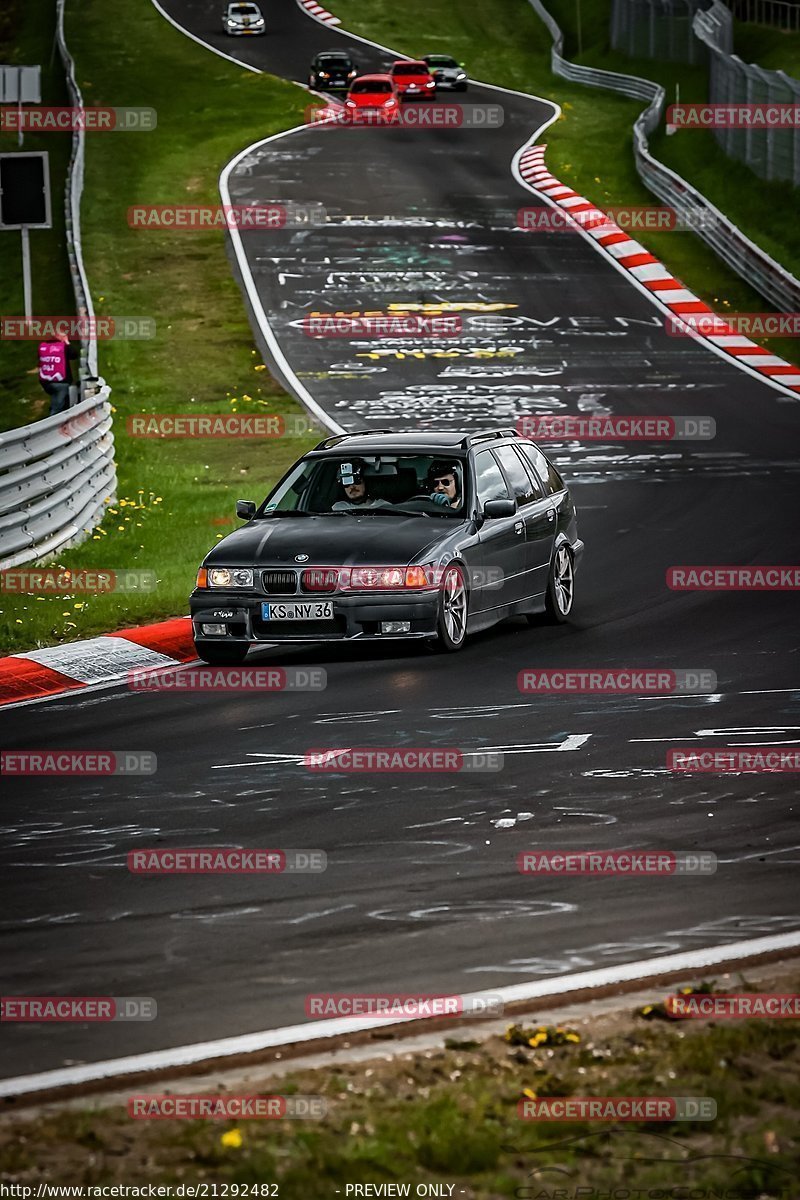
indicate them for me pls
(351, 479)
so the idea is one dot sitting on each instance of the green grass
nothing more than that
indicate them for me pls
(172, 494)
(774, 49)
(26, 38)
(449, 1116)
(590, 147)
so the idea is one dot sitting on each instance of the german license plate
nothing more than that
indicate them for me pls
(312, 610)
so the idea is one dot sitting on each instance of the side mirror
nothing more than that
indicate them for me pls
(499, 508)
(245, 510)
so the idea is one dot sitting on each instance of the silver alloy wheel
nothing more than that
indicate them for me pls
(563, 581)
(454, 605)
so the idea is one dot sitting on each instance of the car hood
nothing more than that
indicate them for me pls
(332, 541)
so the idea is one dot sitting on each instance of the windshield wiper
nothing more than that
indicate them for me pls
(289, 512)
(388, 512)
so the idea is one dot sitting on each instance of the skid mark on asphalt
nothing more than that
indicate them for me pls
(476, 910)
(726, 929)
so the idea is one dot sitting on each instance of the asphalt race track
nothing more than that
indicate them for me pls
(422, 891)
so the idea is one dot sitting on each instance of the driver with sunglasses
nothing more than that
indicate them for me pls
(444, 480)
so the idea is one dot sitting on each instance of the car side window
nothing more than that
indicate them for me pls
(489, 481)
(536, 482)
(525, 490)
(543, 467)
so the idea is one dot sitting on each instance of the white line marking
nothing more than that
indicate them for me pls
(249, 1043)
(205, 45)
(300, 392)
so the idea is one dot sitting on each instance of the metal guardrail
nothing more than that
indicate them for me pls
(58, 475)
(72, 203)
(56, 478)
(753, 264)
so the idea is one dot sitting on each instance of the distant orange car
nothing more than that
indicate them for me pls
(373, 98)
(413, 79)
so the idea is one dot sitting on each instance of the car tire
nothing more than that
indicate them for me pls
(560, 595)
(451, 622)
(219, 655)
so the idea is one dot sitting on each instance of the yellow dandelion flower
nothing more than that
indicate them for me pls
(530, 1093)
(232, 1138)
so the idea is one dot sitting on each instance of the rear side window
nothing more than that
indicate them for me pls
(523, 487)
(543, 467)
(489, 481)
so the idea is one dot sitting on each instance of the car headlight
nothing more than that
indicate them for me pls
(351, 74)
(230, 22)
(431, 83)
(323, 74)
(229, 577)
(461, 75)
(384, 578)
(388, 103)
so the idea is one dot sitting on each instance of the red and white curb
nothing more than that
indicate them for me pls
(321, 14)
(55, 670)
(651, 274)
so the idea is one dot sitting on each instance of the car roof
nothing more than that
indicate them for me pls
(410, 62)
(333, 54)
(419, 441)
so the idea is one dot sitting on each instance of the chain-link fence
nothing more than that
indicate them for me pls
(778, 13)
(657, 29)
(771, 151)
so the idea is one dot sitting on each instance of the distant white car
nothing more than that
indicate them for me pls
(243, 18)
(447, 72)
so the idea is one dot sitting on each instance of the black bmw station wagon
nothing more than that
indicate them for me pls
(381, 535)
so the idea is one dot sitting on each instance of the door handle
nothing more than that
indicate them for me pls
(519, 527)
(551, 512)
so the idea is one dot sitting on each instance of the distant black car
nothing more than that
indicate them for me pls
(380, 535)
(332, 70)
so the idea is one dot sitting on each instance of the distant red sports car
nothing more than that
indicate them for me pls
(413, 79)
(372, 98)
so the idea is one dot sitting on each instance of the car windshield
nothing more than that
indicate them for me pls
(334, 64)
(410, 69)
(441, 60)
(379, 88)
(243, 10)
(379, 483)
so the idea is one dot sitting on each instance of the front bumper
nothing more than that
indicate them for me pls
(241, 31)
(356, 617)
